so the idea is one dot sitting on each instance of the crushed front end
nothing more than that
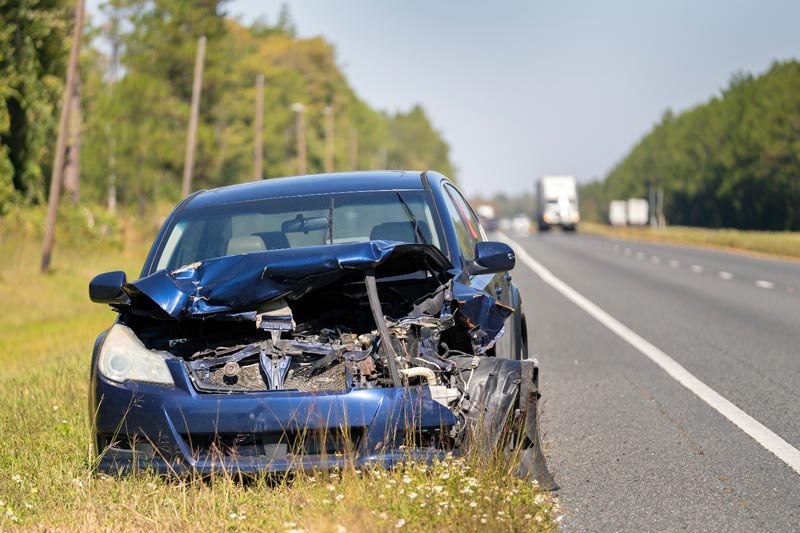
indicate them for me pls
(292, 359)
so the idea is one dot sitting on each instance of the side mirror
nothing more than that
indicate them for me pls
(106, 288)
(492, 257)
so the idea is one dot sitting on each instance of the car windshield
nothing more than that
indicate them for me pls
(296, 222)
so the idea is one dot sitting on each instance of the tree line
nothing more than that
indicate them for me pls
(136, 73)
(731, 162)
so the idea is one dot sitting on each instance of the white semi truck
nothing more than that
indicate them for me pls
(557, 203)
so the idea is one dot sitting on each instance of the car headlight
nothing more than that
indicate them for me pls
(123, 357)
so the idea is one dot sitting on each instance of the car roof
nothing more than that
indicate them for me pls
(307, 185)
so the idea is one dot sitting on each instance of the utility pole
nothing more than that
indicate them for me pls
(258, 156)
(188, 164)
(58, 164)
(72, 158)
(116, 43)
(652, 199)
(328, 111)
(300, 126)
(381, 160)
(353, 149)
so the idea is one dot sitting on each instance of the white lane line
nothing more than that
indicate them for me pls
(655, 260)
(674, 263)
(761, 284)
(626, 251)
(755, 429)
(697, 269)
(639, 255)
(727, 276)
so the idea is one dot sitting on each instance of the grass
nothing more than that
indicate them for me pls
(47, 327)
(771, 243)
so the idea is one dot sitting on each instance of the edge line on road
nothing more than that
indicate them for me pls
(752, 427)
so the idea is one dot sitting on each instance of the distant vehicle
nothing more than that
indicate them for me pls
(557, 203)
(638, 210)
(618, 213)
(521, 224)
(486, 216)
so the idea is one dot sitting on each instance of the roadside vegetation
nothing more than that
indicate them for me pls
(782, 244)
(732, 162)
(47, 327)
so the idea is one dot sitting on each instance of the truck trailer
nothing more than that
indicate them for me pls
(557, 203)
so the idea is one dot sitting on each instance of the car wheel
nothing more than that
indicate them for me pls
(503, 416)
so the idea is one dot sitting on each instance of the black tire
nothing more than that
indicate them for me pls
(503, 415)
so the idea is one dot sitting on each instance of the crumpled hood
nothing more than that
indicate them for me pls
(244, 282)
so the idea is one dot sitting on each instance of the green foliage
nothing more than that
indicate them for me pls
(33, 51)
(732, 162)
(136, 109)
(136, 128)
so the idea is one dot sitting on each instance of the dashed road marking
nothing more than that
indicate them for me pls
(761, 284)
(639, 255)
(697, 269)
(655, 260)
(727, 276)
(755, 429)
(674, 263)
(626, 251)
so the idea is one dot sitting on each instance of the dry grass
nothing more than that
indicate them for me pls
(779, 244)
(47, 327)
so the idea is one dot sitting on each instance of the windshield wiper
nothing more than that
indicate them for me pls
(417, 230)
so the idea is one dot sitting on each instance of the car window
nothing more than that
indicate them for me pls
(468, 229)
(296, 222)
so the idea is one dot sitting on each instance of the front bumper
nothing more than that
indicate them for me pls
(176, 430)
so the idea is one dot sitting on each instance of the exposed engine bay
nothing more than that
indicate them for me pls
(333, 330)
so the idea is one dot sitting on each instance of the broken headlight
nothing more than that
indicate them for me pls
(123, 357)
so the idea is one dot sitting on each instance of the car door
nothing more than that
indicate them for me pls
(497, 285)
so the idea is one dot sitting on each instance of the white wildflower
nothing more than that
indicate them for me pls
(473, 504)
(406, 480)
(331, 488)
(446, 475)
(527, 516)
(341, 529)
(339, 497)
(55, 408)
(412, 495)
(437, 489)
(400, 523)
(232, 516)
(16, 478)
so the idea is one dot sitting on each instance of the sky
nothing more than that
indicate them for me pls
(521, 89)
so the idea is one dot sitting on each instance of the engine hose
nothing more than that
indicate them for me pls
(380, 322)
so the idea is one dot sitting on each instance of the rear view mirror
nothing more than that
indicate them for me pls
(492, 257)
(300, 223)
(106, 288)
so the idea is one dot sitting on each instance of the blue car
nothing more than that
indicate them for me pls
(312, 322)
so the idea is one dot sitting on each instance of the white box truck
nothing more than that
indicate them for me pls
(557, 203)
(638, 211)
(618, 213)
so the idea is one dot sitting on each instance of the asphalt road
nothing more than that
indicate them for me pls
(631, 447)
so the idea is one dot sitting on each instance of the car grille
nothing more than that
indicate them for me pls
(275, 446)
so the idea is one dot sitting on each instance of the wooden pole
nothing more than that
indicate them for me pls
(58, 164)
(188, 165)
(300, 126)
(258, 155)
(72, 158)
(328, 138)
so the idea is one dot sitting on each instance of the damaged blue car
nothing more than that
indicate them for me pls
(313, 322)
